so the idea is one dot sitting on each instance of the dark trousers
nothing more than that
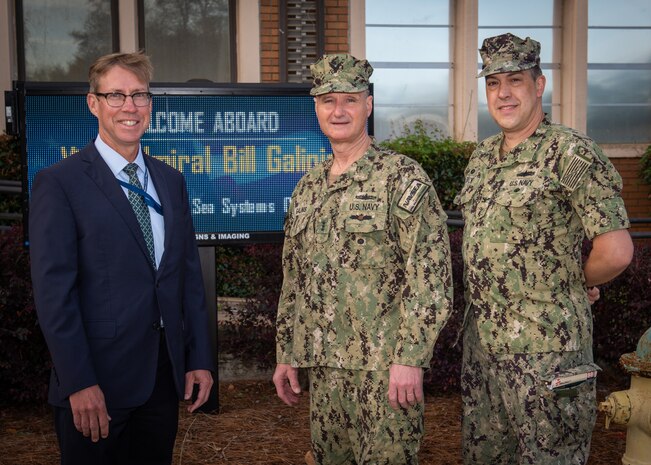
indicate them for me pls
(142, 435)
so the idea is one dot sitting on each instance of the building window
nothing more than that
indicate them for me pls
(619, 71)
(524, 19)
(189, 40)
(408, 44)
(58, 40)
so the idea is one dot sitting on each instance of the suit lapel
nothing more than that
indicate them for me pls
(103, 177)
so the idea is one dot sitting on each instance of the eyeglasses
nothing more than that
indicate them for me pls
(117, 99)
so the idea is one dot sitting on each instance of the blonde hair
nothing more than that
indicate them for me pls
(138, 63)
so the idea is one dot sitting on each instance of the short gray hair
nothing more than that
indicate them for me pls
(138, 63)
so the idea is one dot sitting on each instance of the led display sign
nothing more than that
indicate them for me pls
(242, 148)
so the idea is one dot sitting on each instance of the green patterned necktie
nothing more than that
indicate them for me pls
(141, 210)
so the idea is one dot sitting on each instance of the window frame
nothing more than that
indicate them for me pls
(232, 25)
(429, 65)
(610, 66)
(20, 34)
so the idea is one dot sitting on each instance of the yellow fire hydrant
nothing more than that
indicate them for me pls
(633, 406)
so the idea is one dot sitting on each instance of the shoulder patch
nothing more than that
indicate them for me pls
(575, 170)
(412, 196)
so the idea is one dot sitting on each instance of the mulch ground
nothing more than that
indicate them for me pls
(254, 427)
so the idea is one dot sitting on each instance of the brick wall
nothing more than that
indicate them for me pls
(336, 24)
(269, 40)
(636, 193)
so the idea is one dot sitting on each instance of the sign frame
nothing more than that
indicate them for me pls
(17, 125)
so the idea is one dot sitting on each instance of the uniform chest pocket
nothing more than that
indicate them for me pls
(470, 188)
(529, 214)
(516, 198)
(364, 241)
(298, 224)
(513, 218)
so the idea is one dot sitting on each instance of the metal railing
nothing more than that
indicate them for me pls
(10, 187)
(641, 234)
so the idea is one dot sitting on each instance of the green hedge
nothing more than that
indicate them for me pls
(9, 158)
(443, 158)
(237, 271)
(24, 358)
(645, 166)
(10, 171)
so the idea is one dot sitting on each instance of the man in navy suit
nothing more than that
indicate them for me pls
(117, 283)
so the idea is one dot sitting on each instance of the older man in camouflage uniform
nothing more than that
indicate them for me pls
(367, 283)
(531, 195)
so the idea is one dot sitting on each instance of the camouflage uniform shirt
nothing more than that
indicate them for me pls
(527, 213)
(367, 275)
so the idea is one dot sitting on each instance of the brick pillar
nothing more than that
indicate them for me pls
(636, 193)
(269, 41)
(336, 25)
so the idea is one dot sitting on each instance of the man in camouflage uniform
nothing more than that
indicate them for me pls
(531, 195)
(367, 283)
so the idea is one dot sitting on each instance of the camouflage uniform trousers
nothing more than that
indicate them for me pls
(352, 422)
(510, 416)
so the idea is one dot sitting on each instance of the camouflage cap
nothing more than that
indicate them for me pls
(340, 73)
(507, 53)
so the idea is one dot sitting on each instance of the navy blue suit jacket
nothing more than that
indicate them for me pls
(97, 296)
